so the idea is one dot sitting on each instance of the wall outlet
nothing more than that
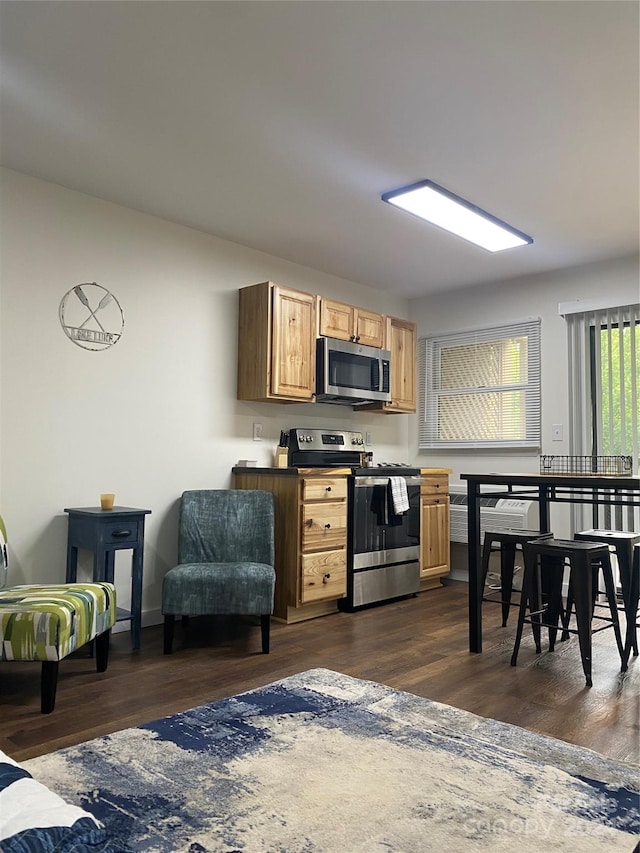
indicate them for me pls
(556, 432)
(257, 432)
(368, 439)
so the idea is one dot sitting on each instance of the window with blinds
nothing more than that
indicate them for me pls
(604, 394)
(481, 388)
(604, 371)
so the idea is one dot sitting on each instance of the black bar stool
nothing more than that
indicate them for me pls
(544, 564)
(632, 608)
(622, 543)
(508, 540)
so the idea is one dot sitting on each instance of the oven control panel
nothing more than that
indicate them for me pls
(305, 438)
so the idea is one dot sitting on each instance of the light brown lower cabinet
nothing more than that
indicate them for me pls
(435, 545)
(311, 537)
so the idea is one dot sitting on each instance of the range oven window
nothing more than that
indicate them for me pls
(376, 527)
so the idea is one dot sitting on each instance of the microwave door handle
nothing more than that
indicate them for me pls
(375, 374)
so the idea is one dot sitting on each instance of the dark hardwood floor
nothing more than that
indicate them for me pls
(418, 645)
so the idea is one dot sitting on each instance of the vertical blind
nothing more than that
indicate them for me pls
(604, 378)
(481, 388)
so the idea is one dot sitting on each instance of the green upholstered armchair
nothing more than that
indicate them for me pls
(225, 559)
(46, 622)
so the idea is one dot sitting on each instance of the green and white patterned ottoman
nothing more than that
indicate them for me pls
(47, 622)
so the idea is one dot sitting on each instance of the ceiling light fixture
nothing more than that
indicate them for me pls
(447, 210)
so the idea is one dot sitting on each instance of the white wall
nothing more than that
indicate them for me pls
(534, 296)
(156, 413)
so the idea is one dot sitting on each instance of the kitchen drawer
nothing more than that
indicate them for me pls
(324, 575)
(435, 485)
(324, 488)
(324, 525)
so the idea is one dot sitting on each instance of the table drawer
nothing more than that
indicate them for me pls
(324, 575)
(324, 488)
(434, 485)
(118, 533)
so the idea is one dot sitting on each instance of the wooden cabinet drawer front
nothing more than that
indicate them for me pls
(324, 488)
(434, 485)
(324, 525)
(324, 575)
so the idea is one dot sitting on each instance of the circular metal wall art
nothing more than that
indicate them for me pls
(91, 316)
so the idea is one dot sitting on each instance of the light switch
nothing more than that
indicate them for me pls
(257, 432)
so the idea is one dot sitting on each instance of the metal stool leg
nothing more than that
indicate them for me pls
(624, 553)
(567, 613)
(581, 577)
(610, 588)
(632, 608)
(552, 576)
(486, 556)
(507, 564)
(529, 598)
(522, 610)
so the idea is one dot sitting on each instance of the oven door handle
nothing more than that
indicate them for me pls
(363, 482)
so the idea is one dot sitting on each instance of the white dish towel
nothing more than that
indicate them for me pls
(399, 494)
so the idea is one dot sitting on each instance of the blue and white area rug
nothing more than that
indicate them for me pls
(324, 762)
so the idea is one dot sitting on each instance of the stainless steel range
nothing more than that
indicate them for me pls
(383, 550)
(384, 545)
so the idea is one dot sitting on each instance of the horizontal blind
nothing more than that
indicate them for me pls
(481, 388)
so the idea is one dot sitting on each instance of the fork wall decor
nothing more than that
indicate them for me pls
(91, 316)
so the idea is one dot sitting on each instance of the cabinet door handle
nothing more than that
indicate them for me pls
(328, 488)
(357, 338)
(326, 578)
(120, 534)
(327, 526)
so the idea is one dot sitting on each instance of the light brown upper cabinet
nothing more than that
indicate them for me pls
(401, 340)
(348, 323)
(276, 344)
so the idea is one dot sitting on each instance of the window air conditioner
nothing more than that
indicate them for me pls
(495, 513)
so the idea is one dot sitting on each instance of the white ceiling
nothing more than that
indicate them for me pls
(277, 125)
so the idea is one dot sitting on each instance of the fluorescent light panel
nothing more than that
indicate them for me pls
(447, 210)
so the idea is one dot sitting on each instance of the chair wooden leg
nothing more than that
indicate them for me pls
(169, 622)
(265, 627)
(102, 650)
(48, 685)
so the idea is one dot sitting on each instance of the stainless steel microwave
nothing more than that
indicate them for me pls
(351, 373)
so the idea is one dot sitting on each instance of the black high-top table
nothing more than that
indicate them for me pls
(598, 490)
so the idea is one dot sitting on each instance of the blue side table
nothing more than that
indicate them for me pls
(105, 531)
